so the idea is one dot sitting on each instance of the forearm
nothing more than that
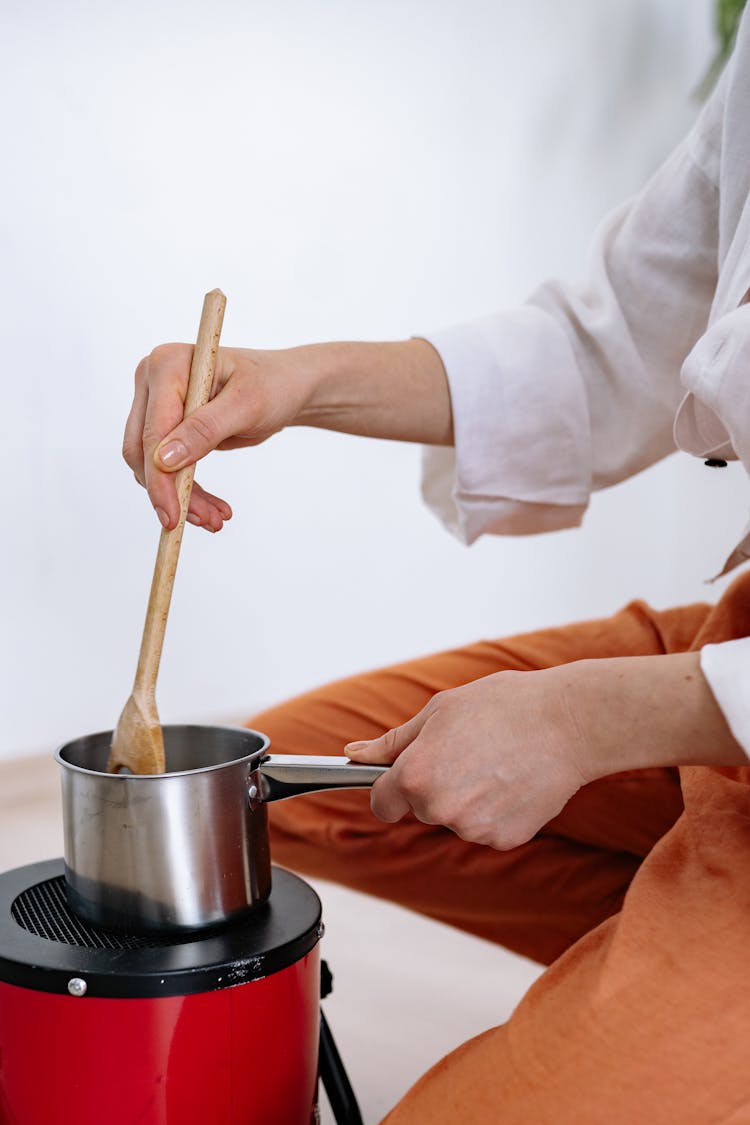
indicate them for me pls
(639, 711)
(386, 390)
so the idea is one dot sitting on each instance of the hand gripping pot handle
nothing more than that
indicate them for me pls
(289, 775)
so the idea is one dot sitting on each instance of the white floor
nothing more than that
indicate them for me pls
(406, 989)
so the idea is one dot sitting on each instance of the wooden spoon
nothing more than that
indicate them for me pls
(138, 742)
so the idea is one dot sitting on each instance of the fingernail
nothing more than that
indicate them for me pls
(173, 454)
(196, 520)
(163, 517)
(358, 745)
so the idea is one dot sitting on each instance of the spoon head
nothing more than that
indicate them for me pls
(138, 742)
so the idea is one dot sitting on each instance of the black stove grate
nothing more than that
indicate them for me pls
(43, 910)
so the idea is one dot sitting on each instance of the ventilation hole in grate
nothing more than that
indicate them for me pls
(43, 910)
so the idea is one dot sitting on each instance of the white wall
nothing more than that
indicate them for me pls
(341, 169)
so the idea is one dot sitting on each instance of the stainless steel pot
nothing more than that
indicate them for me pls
(188, 848)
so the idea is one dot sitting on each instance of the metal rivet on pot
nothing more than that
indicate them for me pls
(254, 798)
(77, 986)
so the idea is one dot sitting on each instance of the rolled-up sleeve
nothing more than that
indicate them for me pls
(726, 667)
(578, 388)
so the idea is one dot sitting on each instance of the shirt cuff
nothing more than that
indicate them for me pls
(726, 667)
(711, 419)
(521, 462)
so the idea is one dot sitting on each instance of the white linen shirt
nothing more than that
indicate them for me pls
(586, 385)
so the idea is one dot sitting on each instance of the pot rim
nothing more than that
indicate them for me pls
(256, 756)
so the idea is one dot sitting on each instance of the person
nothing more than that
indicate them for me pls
(600, 818)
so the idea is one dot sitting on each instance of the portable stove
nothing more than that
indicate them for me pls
(219, 1027)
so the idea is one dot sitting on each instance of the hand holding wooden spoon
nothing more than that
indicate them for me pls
(138, 743)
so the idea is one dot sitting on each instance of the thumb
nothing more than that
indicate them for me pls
(385, 749)
(195, 436)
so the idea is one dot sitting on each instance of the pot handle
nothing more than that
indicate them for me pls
(289, 775)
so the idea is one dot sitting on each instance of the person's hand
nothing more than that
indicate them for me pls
(498, 758)
(493, 760)
(254, 395)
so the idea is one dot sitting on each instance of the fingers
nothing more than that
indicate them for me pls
(387, 801)
(206, 510)
(186, 441)
(390, 799)
(422, 779)
(151, 416)
(384, 750)
(158, 406)
(409, 786)
(195, 436)
(132, 443)
(167, 371)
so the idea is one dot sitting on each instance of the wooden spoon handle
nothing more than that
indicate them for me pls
(198, 391)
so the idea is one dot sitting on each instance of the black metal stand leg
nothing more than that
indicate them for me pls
(338, 1088)
(333, 1075)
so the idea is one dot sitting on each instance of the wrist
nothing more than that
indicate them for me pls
(397, 390)
(333, 376)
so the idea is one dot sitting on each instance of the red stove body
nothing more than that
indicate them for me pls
(97, 1026)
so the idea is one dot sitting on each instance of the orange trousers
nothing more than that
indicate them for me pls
(637, 897)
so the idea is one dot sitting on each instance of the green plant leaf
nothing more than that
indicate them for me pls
(726, 21)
